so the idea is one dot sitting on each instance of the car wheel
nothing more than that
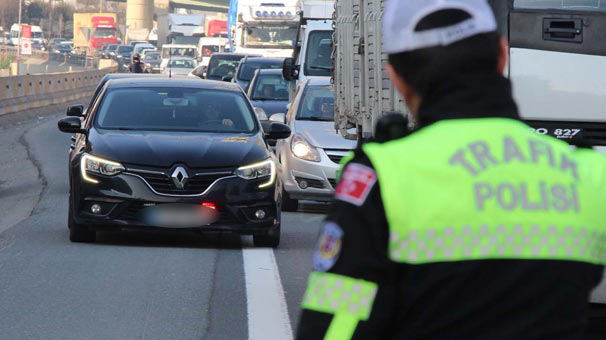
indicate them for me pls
(271, 239)
(79, 232)
(288, 204)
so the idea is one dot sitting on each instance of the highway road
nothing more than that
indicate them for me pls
(132, 285)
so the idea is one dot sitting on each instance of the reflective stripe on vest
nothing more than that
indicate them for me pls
(349, 300)
(490, 189)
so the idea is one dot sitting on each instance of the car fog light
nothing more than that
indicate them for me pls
(303, 184)
(260, 214)
(95, 209)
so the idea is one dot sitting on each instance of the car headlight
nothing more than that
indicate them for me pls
(303, 150)
(264, 169)
(96, 165)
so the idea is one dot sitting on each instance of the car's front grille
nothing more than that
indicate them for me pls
(335, 158)
(163, 184)
(336, 155)
(133, 212)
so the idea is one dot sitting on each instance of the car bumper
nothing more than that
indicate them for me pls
(306, 180)
(124, 197)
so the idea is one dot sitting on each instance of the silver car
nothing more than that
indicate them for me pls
(310, 157)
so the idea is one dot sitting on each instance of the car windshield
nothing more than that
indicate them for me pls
(209, 50)
(37, 35)
(270, 87)
(105, 32)
(223, 66)
(247, 70)
(185, 40)
(178, 52)
(270, 36)
(175, 109)
(318, 104)
(125, 49)
(152, 56)
(182, 63)
(112, 47)
(318, 57)
(573, 5)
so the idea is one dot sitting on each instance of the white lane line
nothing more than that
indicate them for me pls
(267, 310)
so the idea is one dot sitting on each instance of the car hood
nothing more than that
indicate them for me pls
(323, 135)
(164, 149)
(270, 107)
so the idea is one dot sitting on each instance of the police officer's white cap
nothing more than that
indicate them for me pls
(401, 17)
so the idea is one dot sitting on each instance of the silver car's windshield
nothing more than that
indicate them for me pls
(318, 104)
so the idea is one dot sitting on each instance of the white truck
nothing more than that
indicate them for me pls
(363, 91)
(557, 66)
(207, 46)
(313, 48)
(266, 29)
(185, 29)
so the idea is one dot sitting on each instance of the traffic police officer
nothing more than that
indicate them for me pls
(471, 227)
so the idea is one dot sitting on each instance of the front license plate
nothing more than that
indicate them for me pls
(178, 216)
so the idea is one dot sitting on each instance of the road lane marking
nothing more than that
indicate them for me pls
(266, 305)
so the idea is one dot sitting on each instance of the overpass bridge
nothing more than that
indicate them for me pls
(200, 5)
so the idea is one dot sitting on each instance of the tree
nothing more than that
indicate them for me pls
(35, 11)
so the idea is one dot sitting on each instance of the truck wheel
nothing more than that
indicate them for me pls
(79, 232)
(288, 204)
(269, 240)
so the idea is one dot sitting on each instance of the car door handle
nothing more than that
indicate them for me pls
(564, 30)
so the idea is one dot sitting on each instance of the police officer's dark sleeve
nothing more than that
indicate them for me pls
(362, 255)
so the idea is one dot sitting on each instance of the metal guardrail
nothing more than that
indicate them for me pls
(12, 50)
(75, 59)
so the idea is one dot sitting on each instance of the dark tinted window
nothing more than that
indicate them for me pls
(123, 49)
(247, 70)
(318, 104)
(270, 87)
(318, 57)
(571, 5)
(175, 109)
(223, 66)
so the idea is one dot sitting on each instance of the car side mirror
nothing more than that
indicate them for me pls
(278, 118)
(71, 125)
(227, 78)
(75, 111)
(290, 71)
(274, 131)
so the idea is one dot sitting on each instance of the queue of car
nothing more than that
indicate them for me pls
(225, 153)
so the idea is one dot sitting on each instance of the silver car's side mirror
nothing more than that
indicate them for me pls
(278, 118)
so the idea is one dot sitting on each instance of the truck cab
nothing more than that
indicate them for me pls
(312, 57)
(266, 29)
(104, 32)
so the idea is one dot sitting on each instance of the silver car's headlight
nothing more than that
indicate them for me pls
(301, 148)
(96, 165)
(264, 169)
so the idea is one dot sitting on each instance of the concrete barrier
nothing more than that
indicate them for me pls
(20, 93)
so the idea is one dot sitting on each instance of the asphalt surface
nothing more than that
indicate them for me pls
(131, 285)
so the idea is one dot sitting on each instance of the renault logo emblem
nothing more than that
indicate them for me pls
(180, 177)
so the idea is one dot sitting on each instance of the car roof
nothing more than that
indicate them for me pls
(181, 58)
(229, 54)
(270, 71)
(263, 60)
(177, 82)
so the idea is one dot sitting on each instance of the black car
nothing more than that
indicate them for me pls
(123, 56)
(248, 66)
(110, 52)
(269, 91)
(222, 66)
(173, 153)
